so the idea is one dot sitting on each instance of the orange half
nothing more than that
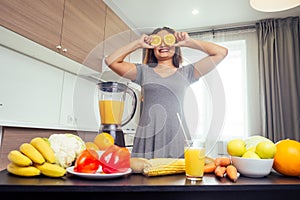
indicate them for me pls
(156, 40)
(91, 145)
(169, 39)
(103, 140)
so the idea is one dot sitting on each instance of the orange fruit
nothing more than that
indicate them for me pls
(104, 140)
(91, 145)
(156, 40)
(287, 157)
(169, 39)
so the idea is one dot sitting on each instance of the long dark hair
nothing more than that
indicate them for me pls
(150, 58)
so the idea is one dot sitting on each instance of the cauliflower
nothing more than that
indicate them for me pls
(66, 148)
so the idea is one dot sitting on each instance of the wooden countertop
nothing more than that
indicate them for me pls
(166, 187)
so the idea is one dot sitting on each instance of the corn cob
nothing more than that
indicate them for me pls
(167, 161)
(160, 172)
(164, 166)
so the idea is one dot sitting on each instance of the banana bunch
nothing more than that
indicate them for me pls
(33, 159)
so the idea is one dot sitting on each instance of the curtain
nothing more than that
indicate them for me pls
(279, 71)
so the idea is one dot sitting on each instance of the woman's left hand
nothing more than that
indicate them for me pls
(182, 39)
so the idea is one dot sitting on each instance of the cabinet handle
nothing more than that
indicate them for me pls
(58, 47)
(65, 50)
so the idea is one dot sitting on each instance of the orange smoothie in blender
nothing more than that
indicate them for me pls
(111, 111)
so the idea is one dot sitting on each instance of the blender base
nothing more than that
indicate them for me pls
(114, 131)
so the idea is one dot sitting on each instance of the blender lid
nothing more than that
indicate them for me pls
(112, 86)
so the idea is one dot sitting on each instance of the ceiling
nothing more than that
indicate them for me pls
(145, 15)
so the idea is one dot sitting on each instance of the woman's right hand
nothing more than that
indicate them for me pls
(145, 41)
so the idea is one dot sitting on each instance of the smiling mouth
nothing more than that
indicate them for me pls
(163, 50)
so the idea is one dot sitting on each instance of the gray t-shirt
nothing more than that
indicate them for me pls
(159, 134)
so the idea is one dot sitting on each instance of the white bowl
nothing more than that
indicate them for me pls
(252, 167)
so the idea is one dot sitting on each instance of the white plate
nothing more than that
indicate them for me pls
(98, 174)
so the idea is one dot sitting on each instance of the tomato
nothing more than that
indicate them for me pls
(87, 162)
(115, 159)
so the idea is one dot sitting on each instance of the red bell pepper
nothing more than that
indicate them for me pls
(87, 162)
(115, 159)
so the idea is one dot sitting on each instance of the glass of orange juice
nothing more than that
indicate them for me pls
(194, 155)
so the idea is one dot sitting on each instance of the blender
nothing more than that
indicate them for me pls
(111, 101)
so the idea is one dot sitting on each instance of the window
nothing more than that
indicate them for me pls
(226, 98)
(232, 73)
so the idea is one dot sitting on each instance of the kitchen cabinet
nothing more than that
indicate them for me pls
(117, 34)
(38, 20)
(30, 90)
(69, 88)
(83, 29)
(73, 28)
(79, 104)
(40, 77)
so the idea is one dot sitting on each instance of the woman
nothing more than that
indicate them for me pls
(163, 81)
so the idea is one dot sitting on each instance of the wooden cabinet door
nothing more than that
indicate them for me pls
(117, 33)
(38, 20)
(114, 25)
(78, 26)
(83, 29)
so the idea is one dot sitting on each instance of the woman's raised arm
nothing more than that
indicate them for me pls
(215, 53)
(115, 61)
